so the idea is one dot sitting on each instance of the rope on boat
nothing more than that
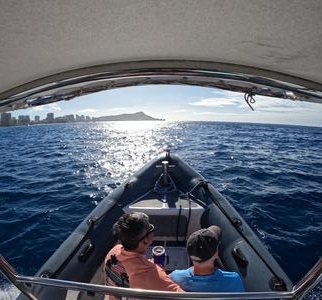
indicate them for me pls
(178, 222)
(249, 99)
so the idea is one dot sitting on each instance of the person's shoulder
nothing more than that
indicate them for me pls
(160, 280)
(228, 273)
(235, 282)
(117, 246)
(116, 250)
(180, 273)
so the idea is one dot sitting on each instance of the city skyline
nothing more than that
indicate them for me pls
(185, 103)
(7, 120)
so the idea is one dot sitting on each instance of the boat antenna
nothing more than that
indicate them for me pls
(249, 99)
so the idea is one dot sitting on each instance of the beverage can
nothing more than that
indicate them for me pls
(158, 255)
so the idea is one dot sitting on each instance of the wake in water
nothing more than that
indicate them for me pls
(7, 291)
(315, 294)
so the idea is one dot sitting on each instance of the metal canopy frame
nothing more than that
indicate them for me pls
(71, 84)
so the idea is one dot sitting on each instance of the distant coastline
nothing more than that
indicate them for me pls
(6, 119)
(139, 116)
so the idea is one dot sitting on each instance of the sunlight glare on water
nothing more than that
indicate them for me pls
(136, 143)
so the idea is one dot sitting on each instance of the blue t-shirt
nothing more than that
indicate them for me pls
(219, 281)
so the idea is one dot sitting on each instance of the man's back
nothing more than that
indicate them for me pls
(219, 281)
(143, 273)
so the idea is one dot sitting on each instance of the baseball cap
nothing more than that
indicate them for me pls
(202, 244)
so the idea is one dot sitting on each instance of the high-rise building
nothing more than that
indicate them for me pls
(13, 121)
(23, 120)
(70, 118)
(5, 119)
(50, 117)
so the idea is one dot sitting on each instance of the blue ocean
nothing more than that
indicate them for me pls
(53, 175)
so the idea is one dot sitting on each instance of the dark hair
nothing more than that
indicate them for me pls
(131, 228)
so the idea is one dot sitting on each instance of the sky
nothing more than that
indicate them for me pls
(184, 103)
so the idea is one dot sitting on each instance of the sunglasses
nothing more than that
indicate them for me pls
(150, 230)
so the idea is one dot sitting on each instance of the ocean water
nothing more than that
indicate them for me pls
(52, 176)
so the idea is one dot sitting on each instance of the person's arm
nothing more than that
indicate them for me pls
(159, 280)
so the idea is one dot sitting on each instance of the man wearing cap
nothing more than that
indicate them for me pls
(203, 276)
(126, 265)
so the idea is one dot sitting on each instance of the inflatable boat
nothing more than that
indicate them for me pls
(178, 201)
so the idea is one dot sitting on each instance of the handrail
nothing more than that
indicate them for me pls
(312, 278)
(11, 274)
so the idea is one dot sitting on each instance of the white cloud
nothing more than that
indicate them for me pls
(180, 111)
(53, 107)
(276, 105)
(37, 108)
(121, 109)
(88, 111)
(217, 102)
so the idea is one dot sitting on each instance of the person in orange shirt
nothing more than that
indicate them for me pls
(126, 264)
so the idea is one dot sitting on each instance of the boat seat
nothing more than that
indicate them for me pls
(169, 226)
